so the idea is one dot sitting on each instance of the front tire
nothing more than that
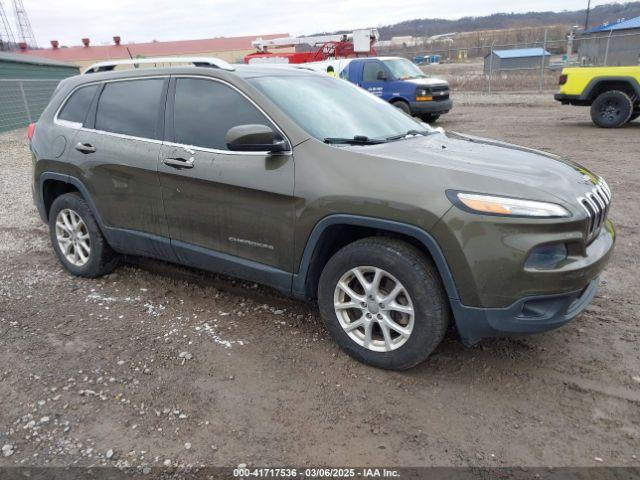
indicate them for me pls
(430, 118)
(77, 239)
(612, 109)
(383, 302)
(402, 105)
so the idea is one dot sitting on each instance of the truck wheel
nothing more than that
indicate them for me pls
(402, 105)
(611, 109)
(430, 118)
(383, 302)
(77, 239)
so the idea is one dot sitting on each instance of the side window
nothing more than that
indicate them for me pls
(370, 72)
(130, 107)
(205, 110)
(77, 106)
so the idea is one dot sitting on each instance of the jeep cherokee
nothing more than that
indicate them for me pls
(313, 186)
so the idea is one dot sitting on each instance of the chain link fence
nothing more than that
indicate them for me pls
(22, 101)
(469, 67)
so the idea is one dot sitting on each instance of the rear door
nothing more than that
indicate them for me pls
(235, 206)
(116, 154)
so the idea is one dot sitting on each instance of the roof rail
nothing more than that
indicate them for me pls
(110, 65)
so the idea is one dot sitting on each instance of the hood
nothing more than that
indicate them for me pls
(427, 82)
(479, 162)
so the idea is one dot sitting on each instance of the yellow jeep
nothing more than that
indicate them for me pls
(613, 93)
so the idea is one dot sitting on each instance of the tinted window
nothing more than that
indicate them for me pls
(76, 108)
(130, 107)
(370, 73)
(205, 110)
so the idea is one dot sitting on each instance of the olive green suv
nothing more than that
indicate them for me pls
(311, 185)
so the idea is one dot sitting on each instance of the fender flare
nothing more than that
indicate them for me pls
(299, 281)
(44, 176)
(591, 86)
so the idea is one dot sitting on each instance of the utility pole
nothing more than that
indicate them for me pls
(586, 20)
(24, 25)
(7, 40)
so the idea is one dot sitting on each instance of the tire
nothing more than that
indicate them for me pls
(430, 118)
(633, 116)
(80, 227)
(423, 294)
(611, 109)
(402, 105)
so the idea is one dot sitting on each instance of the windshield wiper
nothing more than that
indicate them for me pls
(356, 140)
(408, 133)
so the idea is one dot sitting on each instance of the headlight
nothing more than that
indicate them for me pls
(516, 207)
(423, 95)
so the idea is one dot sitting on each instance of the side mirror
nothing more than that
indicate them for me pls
(382, 76)
(254, 138)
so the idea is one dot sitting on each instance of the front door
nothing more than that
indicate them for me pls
(373, 77)
(227, 211)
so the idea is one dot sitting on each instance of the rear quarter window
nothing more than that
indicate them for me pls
(77, 105)
(130, 107)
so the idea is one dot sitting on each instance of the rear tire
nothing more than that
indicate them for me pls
(612, 109)
(402, 105)
(77, 239)
(404, 327)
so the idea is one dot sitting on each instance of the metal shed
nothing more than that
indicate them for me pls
(26, 84)
(616, 44)
(516, 59)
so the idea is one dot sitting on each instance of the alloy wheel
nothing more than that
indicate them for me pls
(73, 237)
(374, 308)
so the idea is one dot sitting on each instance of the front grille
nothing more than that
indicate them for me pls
(596, 203)
(440, 92)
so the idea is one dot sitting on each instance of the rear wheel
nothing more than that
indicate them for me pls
(612, 109)
(383, 303)
(77, 239)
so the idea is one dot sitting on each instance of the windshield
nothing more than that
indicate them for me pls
(332, 109)
(403, 69)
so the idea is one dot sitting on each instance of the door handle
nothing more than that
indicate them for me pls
(179, 162)
(85, 147)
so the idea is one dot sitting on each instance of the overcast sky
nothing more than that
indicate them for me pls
(144, 20)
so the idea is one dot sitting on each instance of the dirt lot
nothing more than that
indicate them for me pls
(164, 365)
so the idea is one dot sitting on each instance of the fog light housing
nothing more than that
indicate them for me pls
(547, 256)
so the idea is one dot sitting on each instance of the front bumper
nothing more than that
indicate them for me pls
(528, 315)
(433, 107)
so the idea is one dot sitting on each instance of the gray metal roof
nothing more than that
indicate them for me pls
(20, 58)
(521, 52)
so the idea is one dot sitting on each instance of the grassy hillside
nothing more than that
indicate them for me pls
(499, 21)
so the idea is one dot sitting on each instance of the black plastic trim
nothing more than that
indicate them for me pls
(594, 83)
(299, 282)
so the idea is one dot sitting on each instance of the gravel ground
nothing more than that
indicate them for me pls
(161, 365)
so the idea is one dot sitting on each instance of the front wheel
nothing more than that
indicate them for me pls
(430, 118)
(612, 109)
(402, 105)
(383, 302)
